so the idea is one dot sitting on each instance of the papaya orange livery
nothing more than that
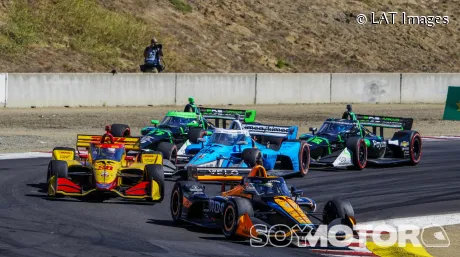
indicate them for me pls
(253, 201)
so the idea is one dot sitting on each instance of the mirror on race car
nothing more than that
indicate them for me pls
(295, 192)
(202, 140)
(129, 158)
(242, 143)
(249, 191)
(313, 130)
(155, 122)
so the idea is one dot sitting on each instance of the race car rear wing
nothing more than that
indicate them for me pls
(227, 114)
(211, 174)
(384, 122)
(130, 143)
(289, 132)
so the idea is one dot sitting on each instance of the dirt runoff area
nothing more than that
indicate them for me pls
(41, 129)
(441, 246)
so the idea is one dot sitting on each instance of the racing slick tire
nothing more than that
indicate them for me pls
(233, 210)
(194, 134)
(415, 144)
(304, 158)
(339, 210)
(168, 150)
(358, 150)
(57, 167)
(120, 130)
(251, 156)
(155, 172)
(176, 203)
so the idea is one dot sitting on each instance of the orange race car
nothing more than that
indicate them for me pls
(105, 170)
(254, 201)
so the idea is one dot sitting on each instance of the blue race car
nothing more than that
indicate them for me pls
(243, 146)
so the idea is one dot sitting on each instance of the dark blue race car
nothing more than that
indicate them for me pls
(243, 146)
(348, 143)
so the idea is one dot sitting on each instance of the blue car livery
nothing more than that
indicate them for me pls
(243, 146)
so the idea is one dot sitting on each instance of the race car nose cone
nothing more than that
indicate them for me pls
(103, 186)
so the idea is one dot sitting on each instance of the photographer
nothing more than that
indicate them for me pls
(152, 55)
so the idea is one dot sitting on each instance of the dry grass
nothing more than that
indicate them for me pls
(230, 36)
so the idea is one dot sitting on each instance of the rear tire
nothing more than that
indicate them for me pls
(415, 151)
(194, 134)
(250, 156)
(358, 149)
(120, 130)
(304, 159)
(233, 210)
(155, 172)
(168, 150)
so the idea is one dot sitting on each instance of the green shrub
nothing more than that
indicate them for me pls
(181, 6)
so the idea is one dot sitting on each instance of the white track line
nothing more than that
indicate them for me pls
(12, 156)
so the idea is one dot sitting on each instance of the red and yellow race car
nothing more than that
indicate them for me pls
(105, 170)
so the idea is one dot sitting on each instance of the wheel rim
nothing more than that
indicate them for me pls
(229, 218)
(175, 203)
(361, 155)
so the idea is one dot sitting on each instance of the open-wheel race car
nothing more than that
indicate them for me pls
(243, 144)
(99, 169)
(254, 205)
(347, 142)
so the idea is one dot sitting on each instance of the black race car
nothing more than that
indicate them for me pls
(347, 142)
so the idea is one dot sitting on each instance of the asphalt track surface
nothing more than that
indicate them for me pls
(32, 225)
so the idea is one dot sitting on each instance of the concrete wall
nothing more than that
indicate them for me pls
(275, 88)
(3, 82)
(365, 88)
(216, 89)
(427, 88)
(57, 90)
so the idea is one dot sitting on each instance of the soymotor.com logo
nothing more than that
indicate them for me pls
(342, 236)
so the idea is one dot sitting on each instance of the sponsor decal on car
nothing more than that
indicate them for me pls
(216, 207)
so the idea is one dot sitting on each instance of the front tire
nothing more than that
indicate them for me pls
(338, 209)
(155, 172)
(175, 205)
(233, 210)
(358, 150)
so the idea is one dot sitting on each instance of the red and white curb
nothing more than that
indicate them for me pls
(440, 138)
(422, 222)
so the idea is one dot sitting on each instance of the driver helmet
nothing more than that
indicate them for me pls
(340, 127)
(267, 188)
(191, 100)
(110, 152)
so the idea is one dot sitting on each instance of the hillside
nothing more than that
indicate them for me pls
(226, 36)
